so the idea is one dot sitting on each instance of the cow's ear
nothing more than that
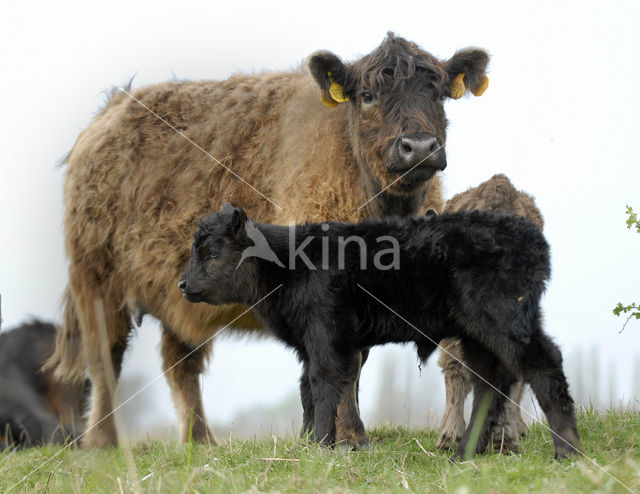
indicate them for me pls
(331, 75)
(467, 72)
(238, 219)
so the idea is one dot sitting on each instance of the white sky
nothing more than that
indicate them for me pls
(559, 118)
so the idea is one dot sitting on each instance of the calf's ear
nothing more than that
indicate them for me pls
(330, 73)
(467, 72)
(238, 219)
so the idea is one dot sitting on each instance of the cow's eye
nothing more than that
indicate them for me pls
(214, 252)
(367, 98)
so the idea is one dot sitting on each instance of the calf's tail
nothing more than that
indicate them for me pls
(535, 273)
(527, 313)
(67, 359)
(523, 319)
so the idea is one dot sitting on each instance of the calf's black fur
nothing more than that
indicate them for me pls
(477, 276)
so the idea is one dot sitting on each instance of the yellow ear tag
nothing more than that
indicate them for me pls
(483, 87)
(337, 92)
(457, 87)
(329, 103)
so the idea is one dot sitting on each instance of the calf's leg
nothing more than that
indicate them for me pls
(542, 367)
(182, 370)
(350, 431)
(509, 426)
(492, 383)
(329, 375)
(307, 400)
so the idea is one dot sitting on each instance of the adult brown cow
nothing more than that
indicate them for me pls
(156, 160)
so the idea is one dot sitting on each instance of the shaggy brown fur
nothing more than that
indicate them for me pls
(135, 190)
(496, 194)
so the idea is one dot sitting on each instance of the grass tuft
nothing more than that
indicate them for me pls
(400, 460)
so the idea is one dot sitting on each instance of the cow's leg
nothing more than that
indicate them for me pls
(307, 400)
(350, 431)
(457, 382)
(509, 426)
(182, 367)
(105, 331)
(542, 367)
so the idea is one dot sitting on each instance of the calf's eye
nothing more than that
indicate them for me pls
(213, 253)
(367, 98)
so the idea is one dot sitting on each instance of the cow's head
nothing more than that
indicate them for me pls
(396, 96)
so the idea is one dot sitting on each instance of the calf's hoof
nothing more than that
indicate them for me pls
(505, 440)
(455, 458)
(568, 451)
(569, 444)
(460, 455)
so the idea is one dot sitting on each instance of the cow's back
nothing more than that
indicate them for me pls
(147, 169)
(143, 172)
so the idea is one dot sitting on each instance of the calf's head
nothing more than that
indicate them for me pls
(395, 95)
(215, 273)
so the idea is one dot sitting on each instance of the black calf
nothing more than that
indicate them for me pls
(478, 276)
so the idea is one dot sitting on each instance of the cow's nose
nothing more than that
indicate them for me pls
(417, 148)
(182, 284)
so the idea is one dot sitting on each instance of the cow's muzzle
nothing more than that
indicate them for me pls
(417, 152)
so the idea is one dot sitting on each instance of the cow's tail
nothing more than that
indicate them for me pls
(68, 359)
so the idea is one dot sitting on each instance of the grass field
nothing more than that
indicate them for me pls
(399, 460)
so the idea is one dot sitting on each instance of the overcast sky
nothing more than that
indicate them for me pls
(560, 118)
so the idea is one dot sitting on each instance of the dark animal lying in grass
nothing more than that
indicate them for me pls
(34, 407)
(477, 276)
(496, 194)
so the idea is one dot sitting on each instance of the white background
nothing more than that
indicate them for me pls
(560, 118)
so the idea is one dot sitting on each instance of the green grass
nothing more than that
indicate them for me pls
(397, 462)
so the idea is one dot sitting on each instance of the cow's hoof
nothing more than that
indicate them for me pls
(447, 440)
(99, 439)
(358, 444)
